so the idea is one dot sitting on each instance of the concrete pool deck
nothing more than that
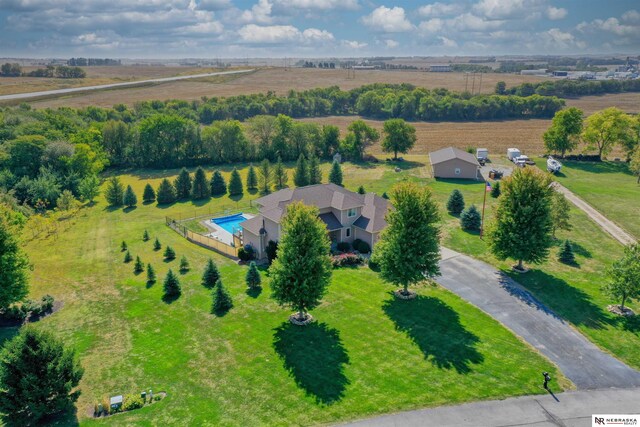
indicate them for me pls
(219, 233)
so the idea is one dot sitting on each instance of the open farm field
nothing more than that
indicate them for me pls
(628, 102)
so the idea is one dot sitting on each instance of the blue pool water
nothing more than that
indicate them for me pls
(229, 223)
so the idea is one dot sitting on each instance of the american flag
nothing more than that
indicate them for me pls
(488, 186)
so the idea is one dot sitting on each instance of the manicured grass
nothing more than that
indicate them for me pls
(607, 186)
(367, 354)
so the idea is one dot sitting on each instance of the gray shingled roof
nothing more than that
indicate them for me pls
(451, 153)
(253, 225)
(373, 213)
(331, 221)
(321, 195)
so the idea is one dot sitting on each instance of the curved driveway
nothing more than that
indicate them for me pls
(492, 291)
(47, 93)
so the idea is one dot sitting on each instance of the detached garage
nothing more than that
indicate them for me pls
(452, 162)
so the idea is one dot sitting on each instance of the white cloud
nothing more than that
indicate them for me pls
(559, 40)
(448, 42)
(556, 13)
(388, 20)
(274, 34)
(214, 4)
(471, 22)
(353, 44)
(318, 4)
(439, 9)
(316, 35)
(259, 13)
(211, 27)
(610, 25)
(508, 9)
(391, 43)
(431, 26)
(631, 16)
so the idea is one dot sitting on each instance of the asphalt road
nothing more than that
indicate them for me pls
(47, 93)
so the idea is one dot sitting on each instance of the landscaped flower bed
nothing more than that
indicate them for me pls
(346, 260)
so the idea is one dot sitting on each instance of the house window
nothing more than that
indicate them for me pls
(457, 171)
(348, 232)
(351, 213)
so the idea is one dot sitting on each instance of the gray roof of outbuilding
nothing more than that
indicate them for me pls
(451, 153)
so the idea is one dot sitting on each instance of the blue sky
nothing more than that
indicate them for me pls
(315, 28)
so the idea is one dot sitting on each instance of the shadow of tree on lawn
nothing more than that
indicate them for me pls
(435, 328)
(315, 357)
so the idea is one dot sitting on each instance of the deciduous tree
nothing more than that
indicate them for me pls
(560, 213)
(89, 188)
(606, 128)
(399, 137)
(14, 264)
(625, 276)
(564, 132)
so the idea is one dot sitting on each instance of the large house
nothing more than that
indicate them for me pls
(347, 215)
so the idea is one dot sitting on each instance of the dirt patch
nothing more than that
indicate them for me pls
(616, 309)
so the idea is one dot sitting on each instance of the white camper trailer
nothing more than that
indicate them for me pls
(512, 153)
(482, 154)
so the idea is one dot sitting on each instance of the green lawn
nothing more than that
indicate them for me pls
(607, 186)
(367, 354)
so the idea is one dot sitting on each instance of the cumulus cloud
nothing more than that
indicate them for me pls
(556, 13)
(439, 9)
(631, 16)
(318, 4)
(277, 34)
(508, 9)
(388, 20)
(391, 43)
(353, 44)
(259, 13)
(448, 42)
(432, 25)
(213, 4)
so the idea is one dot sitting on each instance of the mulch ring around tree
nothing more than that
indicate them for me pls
(296, 320)
(406, 296)
(616, 309)
(518, 270)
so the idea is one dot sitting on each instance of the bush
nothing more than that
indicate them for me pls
(343, 246)
(470, 219)
(16, 313)
(361, 246)
(346, 260)
(373, 264)
(246, 253)
(184, 264)
(132, 401)
(495, 190)
(455, 204)
(271, 250)
(356, 243)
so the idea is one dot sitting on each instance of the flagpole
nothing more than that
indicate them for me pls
(484, 201)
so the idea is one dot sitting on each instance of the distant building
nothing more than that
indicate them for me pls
(452, 162)
(538, 72)
(440, 68)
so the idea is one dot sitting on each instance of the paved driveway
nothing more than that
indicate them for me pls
(581, 361)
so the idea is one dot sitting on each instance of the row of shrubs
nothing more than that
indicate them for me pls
(29, 308)
(357, 245)
(348, 259)
(129, 403)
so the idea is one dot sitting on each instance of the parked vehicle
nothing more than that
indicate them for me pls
(482, 154)
(553, 165)
(512, 153)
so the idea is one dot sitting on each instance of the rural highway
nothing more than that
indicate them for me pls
(46, 93)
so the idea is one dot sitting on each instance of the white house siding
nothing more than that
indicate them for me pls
(253, 240)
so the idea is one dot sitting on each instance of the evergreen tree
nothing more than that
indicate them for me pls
(408, 249)
(566, 255)
(114, 191)
(37, 376)
(470, 219)
(361, 190)
(335, 176)
(252, 179)
(169, 253)
(149, 194)
(211, 274)
(222, 301)
(302, 269)
(171, 286)
(184, 264)
(145, 236)
(123, 246)
(253, 276)
(301, 175)
(523, 224)
(495, 190)
(280, 175)
(138, 267)
(455, 204)
(200, 188)
(89, 188)
(625, 276)
(218, 185)
(127, 257)
(166, 192)
(183, 185)
(235, 183)
(315, 174)
(156, 245)
(129, 199)
(385, 195)
(14, 265)
(151, 274)
(266, 175)
(560, 213)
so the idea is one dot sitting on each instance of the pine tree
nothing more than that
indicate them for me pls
(183, 185)
(566, 254)
(361, 190)
(235, 183)
(171, 285)
(138, 267)
(280, 175)
(222, 301)
(166, 192)
(151, 274)
(211, 274)
(169, 253)
(266, 176)
(129, 199)
(149, 194)
(184, 264)
(200, 188)
(455, 204)
(301, 175)
(114, 191)
(252, 179)
(37, 377)
(156, 245)
(89, 188)
(470, 219)
(315, 174)
(335, 176)
(495, 190)
(14, 265)
(218, 185)
(123, 246)
(145, 236)
(127, 257)
(253, 276)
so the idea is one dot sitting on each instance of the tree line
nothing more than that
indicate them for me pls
(570, 88)
(61, 71)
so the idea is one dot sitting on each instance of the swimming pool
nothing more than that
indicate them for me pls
(230, 223)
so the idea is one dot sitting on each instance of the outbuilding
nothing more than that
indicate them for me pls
(452, 162)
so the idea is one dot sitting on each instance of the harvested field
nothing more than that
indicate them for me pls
(629, 102)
